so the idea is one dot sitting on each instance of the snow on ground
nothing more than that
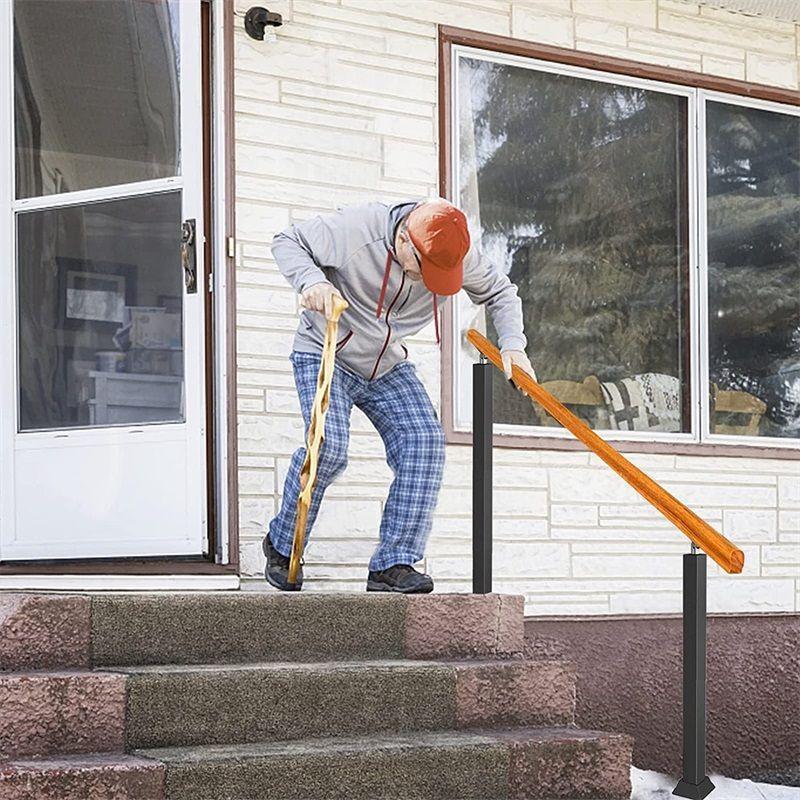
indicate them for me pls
(655, 786)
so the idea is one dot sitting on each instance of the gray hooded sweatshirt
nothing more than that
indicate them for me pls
(353, 248)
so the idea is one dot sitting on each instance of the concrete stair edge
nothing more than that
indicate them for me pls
(43, 631)
(63, 712)
(552, 763)
(521, 764)
(94, 776)
(50, 713)
(217, 704)
(48, 631)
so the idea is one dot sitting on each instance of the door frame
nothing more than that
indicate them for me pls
(222, 562)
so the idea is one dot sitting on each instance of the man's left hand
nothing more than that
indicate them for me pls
(518, 357)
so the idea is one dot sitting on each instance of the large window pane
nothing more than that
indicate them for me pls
(578, 190)
(753, 270)
(100, 299)
(96, 85)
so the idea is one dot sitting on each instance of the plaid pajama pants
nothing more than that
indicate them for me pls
(400, 409)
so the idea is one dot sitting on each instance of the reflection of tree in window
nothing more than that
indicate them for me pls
(581, 199)
(754, 259)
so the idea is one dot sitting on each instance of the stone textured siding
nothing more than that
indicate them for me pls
(342, 107)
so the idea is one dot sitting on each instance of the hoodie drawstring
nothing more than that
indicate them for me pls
(385, 283)
(382, 296)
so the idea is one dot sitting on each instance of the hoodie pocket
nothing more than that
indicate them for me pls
(343, 341)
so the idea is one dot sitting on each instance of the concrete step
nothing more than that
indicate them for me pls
(523, 764)
(43, 631)
(71, 711)
(194, 705)
(237, 627)
(85, 777)
(46, 631)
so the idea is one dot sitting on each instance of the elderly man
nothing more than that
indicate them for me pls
(395, 265)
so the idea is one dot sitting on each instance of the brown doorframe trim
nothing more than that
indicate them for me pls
(232, 476)
(449, 36)
(209, 246)
(446, 189)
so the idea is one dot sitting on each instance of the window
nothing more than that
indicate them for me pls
(653, 233)
(97, 141)
(753, 257)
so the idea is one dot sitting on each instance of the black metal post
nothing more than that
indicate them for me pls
(695, 783)
(482, 477)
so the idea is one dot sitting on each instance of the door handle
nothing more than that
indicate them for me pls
(189, 255)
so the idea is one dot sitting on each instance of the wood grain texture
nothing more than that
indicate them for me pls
(710, 541)
(316, 433)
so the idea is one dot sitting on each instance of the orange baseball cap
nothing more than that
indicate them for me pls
(438, 231)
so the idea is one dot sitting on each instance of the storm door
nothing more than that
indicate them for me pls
(102, 385)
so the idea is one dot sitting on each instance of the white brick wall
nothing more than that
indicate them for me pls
(341, 108)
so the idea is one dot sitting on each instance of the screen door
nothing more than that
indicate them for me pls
(103, 450)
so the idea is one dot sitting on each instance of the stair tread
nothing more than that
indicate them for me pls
(325, 745)
(374, 742)
(192, 628)
(185, 706)
(77, 761)
(539, 762)
(282, 666)
(60, 672)
(328, 666)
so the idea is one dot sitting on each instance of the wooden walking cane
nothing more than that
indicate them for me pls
(314, 438)
(702, 535)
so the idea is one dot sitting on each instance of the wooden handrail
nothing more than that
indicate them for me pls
(722, 550)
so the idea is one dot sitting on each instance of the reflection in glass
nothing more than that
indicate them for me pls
(99, 115)
(100, 294)
(577, 190)
(753, 169)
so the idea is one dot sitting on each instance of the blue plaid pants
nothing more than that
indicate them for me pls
(400, 409)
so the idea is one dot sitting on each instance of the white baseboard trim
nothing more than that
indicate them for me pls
(119, 583)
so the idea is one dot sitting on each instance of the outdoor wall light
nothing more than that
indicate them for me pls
(256, 20)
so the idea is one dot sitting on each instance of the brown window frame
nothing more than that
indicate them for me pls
(451, 36)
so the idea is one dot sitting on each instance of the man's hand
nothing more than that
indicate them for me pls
(518, 357)
(319, 297)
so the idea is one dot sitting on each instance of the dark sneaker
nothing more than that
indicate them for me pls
(401, 578)
(277, 570)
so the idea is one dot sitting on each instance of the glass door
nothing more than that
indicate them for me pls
(103, 450)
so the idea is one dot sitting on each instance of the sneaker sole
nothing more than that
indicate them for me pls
(284, 587)
(375, 586)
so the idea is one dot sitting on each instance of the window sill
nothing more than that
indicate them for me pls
(529, 442)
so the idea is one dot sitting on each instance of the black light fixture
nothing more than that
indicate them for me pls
(256, 20)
